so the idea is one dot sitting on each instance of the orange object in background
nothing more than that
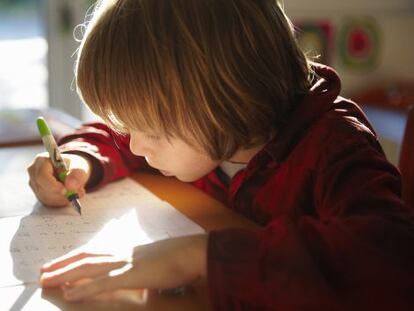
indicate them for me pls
(393, 95)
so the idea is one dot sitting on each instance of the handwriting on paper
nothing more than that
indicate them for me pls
(114, 224)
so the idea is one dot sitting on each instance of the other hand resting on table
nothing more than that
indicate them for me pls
(164, 264)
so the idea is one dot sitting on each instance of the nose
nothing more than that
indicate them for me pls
(137, 146)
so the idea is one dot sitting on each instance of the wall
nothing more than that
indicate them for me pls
(395, 20)
(396, 25)
(62, 16)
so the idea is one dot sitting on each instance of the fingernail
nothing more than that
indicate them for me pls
(42, 280)
(63, 191)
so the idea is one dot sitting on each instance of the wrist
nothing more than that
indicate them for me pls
(200, 253)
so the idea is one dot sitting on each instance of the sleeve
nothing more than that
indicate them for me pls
(356, 253)
(107, 150)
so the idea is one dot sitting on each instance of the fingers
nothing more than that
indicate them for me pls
(90, 267)
(47, 197)
(79, 173)
(75, 181)
(95, 287)
(43, 183)
(47, 188)
(67, 259)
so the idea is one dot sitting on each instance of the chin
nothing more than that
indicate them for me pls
(187, 178)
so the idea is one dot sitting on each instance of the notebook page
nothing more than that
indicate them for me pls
(114, 219)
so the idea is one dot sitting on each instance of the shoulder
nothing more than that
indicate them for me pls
(344, 138)
(342, 133)
(344, 124)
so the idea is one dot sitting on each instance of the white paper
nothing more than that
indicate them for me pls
(114, 219)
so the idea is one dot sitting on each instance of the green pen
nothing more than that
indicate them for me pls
(59, 166)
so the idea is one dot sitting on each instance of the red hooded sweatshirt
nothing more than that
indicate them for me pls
(335, 234)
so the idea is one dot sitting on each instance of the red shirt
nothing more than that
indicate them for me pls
(334, 234)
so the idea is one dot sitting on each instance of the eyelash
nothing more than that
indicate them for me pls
(154, 137)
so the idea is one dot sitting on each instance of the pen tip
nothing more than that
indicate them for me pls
(76, 204)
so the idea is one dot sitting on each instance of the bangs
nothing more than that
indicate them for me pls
(117, 85)
(126, 114)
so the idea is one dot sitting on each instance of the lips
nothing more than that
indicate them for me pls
(165, 173)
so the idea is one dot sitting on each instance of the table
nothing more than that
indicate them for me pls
(198, 206)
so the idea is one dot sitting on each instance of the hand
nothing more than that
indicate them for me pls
(164, 264)
(47, 188)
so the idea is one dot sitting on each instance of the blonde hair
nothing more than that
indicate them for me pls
(219, 74)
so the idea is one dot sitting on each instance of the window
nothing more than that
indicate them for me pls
(23, 50)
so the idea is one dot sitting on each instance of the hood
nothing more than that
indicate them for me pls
(322, 97)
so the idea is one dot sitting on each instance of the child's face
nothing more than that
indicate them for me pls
(171, 157)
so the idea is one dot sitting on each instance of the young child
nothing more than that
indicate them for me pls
(217, 93)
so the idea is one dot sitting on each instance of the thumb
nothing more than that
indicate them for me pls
(75, 179)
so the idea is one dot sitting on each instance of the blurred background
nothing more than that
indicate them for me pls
(370, 43)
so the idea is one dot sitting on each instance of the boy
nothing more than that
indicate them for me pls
(217, 93)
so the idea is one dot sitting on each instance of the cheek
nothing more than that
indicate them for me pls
(189, 171)
(185, 162)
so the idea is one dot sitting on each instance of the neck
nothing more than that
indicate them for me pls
(244, 156)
